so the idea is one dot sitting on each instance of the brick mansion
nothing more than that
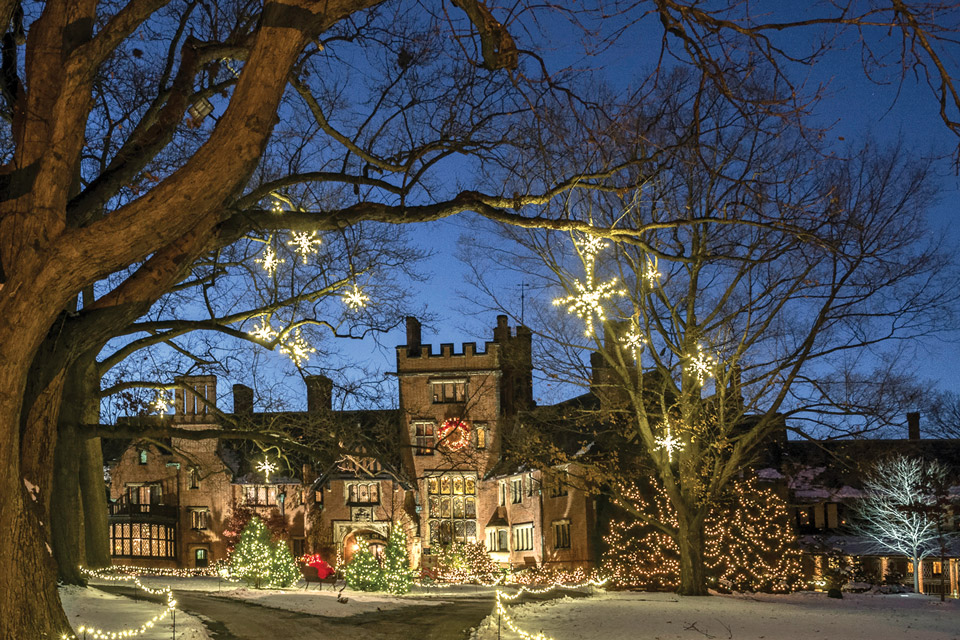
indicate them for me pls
(454, 479)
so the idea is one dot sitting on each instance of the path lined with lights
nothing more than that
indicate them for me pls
(95, 633)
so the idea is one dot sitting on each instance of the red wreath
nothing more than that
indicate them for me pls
(454, 433)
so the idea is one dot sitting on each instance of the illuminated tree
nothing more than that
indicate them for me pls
(752, 542)
(750, 539)
(364, 572)
(718, 335)
(283, 568)
(253, 558)
(397, 574)
(134, 132)
(464, 562)
(900, 512)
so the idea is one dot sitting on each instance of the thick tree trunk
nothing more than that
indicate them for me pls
(66, 525)
(92, 486)
(693, 578)
(96, 529)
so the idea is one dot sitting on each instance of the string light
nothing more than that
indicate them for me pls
(356, 298)
(99, 634)
(750, 544)
(588, 296)
(702, 365)
(650, 272)
(263, 331)
(305, 244)
(634, 341)
(161, 404)
(507, 620)
(276, 206)
(297, 349)
(270, 262)
(668, 442)
(266, 467)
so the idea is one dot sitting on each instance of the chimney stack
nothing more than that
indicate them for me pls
(413, 337)
(319, 393)
(242, 400)
(913, 425)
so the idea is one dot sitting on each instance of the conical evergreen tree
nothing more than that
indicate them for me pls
(283, 568)
(364, 572)
(750, 542)
(397, 574)
(253, 556)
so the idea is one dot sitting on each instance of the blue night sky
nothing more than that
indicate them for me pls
(853, 108)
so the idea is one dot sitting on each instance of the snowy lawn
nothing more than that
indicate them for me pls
(92, 607)
(325, 603)
(799, 616)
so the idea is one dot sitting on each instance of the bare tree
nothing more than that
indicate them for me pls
(899, 512)
(119, 182)
(705, 338)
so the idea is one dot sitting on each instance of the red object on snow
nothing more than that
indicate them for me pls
(324, 570)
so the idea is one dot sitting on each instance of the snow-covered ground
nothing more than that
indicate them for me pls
(325, 603)
(799, 616)
(98, 609)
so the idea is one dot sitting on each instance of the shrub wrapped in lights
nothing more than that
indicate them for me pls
(467, 562)
(750, 543)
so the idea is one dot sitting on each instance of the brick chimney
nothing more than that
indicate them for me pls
(195, 397)
(913, 425)
(319, 393)
(242, 400)
(413, 337)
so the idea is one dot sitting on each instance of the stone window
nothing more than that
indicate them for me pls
(561, 534)
(452, 509)
(143, 456)
(363, 493)
(516, 490)
(194, 478)
(198, 517)
(558, 484)
(260, 494)
(523, 537)
(449, 391)
(498, 539)
(140, 540)
(423, 438)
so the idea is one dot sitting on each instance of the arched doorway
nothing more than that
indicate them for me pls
(373, 539)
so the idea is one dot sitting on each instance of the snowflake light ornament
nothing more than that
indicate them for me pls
(668, 442)
(702, 364)
(266, 467)
(634, 341)
(161, 404)
(269, 261)
(297, 349)
(305, 244)
(650, 272)
(263, 331)
(588, 296)
(356, 298)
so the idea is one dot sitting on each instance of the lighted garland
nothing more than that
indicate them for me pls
(750, 545)
(512, 625)
(454, 433)
(100, 634)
